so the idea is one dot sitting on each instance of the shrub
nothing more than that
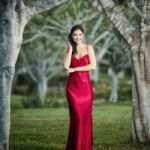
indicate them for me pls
(31, 102)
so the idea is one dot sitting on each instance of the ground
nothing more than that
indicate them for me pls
(47, 128)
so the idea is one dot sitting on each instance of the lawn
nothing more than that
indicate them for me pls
(47, 128)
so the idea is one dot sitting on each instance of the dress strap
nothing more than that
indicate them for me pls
(87, 48)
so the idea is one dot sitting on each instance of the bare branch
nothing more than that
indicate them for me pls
(102, 36)
(25, 61)
(53, 71)
(42, 5)
(104, 49)
(54, 28)
(56, 23)
(139, 12)
(95, 28)
(32, 38)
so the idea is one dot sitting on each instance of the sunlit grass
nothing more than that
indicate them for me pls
(47, 128)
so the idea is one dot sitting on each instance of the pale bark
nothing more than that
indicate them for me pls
(139, 41)
(42, 89)
(114, 86)
(13, 17)
(140, 13)
(11, 28)
(95, 75)
(40, 6)
(141, 84)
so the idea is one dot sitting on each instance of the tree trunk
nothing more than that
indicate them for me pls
(140, 131)
(114, 88)
(139, 42)
(95, 75)
(13, 17)
(15, 80)
(6, 76)
(42, 89)
(11, 30)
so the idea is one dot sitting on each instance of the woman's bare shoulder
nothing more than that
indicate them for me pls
(90, 47)
(65, 50)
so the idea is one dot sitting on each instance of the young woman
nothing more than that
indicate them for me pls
(79, 59)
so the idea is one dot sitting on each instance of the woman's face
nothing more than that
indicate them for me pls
(78, 36)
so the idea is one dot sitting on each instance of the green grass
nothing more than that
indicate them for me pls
(47, 128)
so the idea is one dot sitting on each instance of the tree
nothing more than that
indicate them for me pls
(139, 42)
(116, 62)
(42, 63)
(14, 15)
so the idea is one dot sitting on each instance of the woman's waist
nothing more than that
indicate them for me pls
(78, 76)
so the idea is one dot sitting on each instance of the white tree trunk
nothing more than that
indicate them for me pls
(114, 87)
(13, 17)
(140, 131)
(11, 28)
(42, 89)
(139, 42)
(95, 75)
(6, 77)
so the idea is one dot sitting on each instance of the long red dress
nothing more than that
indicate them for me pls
(79, 94)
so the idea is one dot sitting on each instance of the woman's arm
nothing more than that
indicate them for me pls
(91, 66)
(67, 57)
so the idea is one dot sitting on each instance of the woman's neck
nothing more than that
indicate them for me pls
(80, 45)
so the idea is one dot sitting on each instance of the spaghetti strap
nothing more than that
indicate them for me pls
(87, 49)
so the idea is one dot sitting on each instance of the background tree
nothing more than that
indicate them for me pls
(42, 63)
(116, 62)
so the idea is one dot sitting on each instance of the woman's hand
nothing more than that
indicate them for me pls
(70, 70)
(69, 47)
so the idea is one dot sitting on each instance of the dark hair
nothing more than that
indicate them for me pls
(73, 44)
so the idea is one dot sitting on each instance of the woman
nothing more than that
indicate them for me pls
(79, 59)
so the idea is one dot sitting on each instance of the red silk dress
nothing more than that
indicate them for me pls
(79, 92)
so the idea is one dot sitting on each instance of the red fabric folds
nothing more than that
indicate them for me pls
(79, 94)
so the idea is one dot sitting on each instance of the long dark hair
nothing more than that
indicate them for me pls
(74, 44)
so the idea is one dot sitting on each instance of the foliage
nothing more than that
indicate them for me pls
(103, 89)
(31, 102)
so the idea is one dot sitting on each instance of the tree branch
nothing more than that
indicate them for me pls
(97, 24)
(120, 22)
(139, 12)
(28, 67)
(40, 6)
(101, 36)
(32, 38)
(53, 70)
